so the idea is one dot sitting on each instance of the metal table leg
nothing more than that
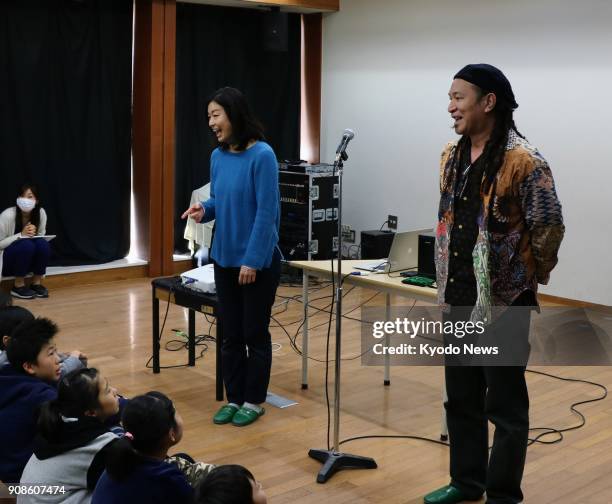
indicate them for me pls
(305, 331)
(443, 422)
(155, 332)
(191, 335)
(387, 381)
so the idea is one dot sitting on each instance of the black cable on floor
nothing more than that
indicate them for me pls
(418, 438)
(531, 441)
(581, 423)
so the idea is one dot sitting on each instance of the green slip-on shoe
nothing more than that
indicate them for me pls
(225, 414)
(446, 495)
(246, 416)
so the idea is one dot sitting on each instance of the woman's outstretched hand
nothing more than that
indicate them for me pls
(195, 211)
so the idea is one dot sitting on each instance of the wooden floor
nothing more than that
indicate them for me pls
(111, 323)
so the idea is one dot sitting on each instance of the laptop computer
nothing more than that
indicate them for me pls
(402, 256)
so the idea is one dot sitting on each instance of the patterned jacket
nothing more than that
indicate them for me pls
(193, 471)
(520, 227)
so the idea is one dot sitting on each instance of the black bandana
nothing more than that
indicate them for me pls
(490, 80)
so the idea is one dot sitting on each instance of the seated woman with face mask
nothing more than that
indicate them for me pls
(21, 252)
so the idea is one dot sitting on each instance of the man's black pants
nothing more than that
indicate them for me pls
(476, 395)
(247, 346)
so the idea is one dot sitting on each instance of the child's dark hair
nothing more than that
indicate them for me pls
(77, 392)
(5, 300)
(146, 420)
(10, 318)
(27, 340)
(245, 126)
(34, 215)
(226, 484)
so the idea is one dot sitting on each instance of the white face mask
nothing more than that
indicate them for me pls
(26, 204)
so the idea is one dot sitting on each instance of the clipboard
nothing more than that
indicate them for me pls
(45, 237)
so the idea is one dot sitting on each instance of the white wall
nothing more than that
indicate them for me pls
(387, 68)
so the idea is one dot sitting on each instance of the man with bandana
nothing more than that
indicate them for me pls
(498, 234)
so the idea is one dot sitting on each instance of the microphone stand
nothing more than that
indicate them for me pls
(334, 460)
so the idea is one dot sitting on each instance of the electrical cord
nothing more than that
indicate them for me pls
(184, 344)
(381, 436)
(310, 306)
(531, 441)
(326, 310)
(389, 275)
(311, 290)
(199, 339)
(573, 406)
(292, 339)
(331, 311)
(323, 310)
(349, 255)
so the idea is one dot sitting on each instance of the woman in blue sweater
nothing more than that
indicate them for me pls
(244, 201)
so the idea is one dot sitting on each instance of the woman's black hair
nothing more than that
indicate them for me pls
(245, 126)
(34, 215)
(77, 393)
(226, 484)
(147, 419)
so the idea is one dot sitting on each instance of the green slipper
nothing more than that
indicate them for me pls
(225, 414)
(246, 416)
(446, 495)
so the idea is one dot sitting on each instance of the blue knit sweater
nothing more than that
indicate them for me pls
(245, 203)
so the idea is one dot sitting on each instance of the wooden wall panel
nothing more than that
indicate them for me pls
(154, 54)
(169, 68)
(141, 124)
(156, 135)
(311, 93)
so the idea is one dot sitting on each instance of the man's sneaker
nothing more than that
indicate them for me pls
(23, 292)
(40, 290)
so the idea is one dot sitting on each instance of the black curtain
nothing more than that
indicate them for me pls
(65, 120)
(218, 47)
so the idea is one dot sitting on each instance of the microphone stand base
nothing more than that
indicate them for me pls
(334, 461)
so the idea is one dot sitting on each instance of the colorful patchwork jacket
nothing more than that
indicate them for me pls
(520, 227)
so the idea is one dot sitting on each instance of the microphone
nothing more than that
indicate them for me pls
(347, 136)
